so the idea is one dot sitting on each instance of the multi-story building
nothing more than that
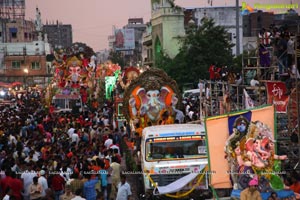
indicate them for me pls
(17, 30)
(128, 41)
(59, 35)
(163, 32)
(102, 56)
(137, 24)
(24, 62)
(222, 16)
(254, 22)
(23, 51)
(147, 51)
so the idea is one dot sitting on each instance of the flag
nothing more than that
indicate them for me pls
(249, 103)
(276, 91)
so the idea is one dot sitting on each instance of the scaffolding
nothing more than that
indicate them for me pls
(222, 97)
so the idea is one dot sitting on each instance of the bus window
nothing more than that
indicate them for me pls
(60, 103)
(175, 149)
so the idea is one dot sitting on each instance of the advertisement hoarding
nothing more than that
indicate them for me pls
(124, 39)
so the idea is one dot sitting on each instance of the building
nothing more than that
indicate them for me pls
(24, 62)
(59, 35)
(254, 22)
(147, 50)
(167, 27)
(23, 51)
(128, 41)
(102, 56)
(222, 16)
(289, 20)
(163, 31)
(17, 30)
(137, 24)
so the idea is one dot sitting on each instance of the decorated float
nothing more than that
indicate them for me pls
(249, 140)
(78, 81)
(151, 98)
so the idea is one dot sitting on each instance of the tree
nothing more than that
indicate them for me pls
(201, 47)
(78, 48)
(117, 58)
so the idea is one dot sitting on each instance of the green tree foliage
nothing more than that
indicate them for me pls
(201, 47)
(117, 58)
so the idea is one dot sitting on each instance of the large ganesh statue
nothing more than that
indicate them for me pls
(250, 152)
(151, 99)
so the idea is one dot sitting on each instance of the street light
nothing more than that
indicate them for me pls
(25, 77)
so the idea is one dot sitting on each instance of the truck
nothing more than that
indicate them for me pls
(173, 159)
(67, 103)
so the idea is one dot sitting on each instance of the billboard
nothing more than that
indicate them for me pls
(222, 131)
(124, 39)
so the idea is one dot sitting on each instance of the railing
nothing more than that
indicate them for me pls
(166, 11)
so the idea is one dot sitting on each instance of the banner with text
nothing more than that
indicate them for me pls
(276, 95)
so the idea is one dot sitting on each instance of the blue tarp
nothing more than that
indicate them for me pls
(13, 30)
(265, 195)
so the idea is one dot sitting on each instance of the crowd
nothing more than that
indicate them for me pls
(60, 156)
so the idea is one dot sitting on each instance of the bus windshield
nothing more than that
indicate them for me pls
(164, 148)
(60, 103)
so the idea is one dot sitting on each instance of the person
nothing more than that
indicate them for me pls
(104, 183)
(43, 181)
(89, 190)
(290, 51)
(291, 183)
(282, 54)
(179, 115)
(78, 194)
(58, 184)
(212, 70)
(124, 191)
(293, 75)
(264, 56)
(251, 192)
(68, 195)
(16, 186)
(254, 83)
(116, 169)
(8, 194)
(273, 196)
(35, 189)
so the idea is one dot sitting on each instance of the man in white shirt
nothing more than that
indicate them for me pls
(108, 142)
(71, 131)
(27, 177)
(124, 191)
(254, 82)
(75, 137)
(43, 181)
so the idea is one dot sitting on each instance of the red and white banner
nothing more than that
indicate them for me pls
(276, 95)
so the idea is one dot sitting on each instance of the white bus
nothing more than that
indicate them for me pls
(67, 103)
(173, 156)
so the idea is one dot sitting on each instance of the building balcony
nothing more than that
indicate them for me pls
(147, 39)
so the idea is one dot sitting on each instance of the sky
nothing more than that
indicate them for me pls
(93, 20)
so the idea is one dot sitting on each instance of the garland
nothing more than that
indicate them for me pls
(181, 195)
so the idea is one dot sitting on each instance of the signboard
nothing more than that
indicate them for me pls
(124, 39)
(176, 138)
(276, 95)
